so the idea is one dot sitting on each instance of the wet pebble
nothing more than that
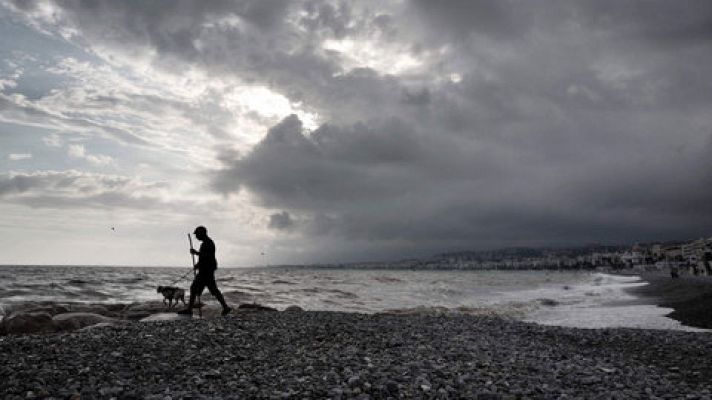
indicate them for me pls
(339, 355)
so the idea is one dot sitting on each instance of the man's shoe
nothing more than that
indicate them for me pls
(186, 311)
(226, 311)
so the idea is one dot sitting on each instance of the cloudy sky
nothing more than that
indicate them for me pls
(320, 131)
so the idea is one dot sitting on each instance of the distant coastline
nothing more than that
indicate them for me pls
(684, 257)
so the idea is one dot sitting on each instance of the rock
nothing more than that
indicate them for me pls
(24, 323)
(99, 325)
(115, 307)
(150, 307)
(548, 302)
(255, 307)
(212, 374)
(72, 321)
(293, 309)
(590, 380)
(137, 315)
(52, 309)
(164, 317)
(392, 387)
(354, 381)
(342, 355)
(488, 396)
(110, 390)
(87, 308)
(336, 392)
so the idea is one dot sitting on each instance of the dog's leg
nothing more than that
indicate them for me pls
(164, 302)
(182, 298)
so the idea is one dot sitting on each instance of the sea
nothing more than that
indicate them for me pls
(562, 298)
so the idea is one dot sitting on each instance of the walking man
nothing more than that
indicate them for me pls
(206, 266)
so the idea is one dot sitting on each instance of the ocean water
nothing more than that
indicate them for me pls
(578, 299)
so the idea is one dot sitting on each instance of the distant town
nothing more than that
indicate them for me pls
(677, 258)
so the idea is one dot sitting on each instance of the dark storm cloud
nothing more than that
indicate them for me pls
(336, 165)
(459, 18)
(528, 122)
(389, 183)
(589, 127)
(281, 221)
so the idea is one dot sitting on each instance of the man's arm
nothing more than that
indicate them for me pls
(196, 253)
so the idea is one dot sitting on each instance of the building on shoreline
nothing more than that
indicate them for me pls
(693, 257)
(676, 258)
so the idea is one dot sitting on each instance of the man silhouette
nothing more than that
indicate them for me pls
(206, 266)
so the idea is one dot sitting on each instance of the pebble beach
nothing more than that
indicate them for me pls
(305, 354)
(689, 297)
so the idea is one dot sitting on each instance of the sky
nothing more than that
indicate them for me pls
(334, 131)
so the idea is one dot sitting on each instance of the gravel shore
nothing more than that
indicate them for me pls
(341, 355)
(690, 297)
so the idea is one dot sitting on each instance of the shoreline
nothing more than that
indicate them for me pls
(690, 297)
(348, 355)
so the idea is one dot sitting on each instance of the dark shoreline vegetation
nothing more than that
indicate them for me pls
(347, 355)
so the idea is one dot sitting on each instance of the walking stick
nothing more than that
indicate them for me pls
(200, 308)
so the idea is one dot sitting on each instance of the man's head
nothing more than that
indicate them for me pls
(200, 232)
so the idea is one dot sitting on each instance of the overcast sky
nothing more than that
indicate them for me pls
(321, 131)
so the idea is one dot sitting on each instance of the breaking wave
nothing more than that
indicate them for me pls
(558, 298)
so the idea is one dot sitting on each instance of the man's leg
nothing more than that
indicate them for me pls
(213, 288)
(196, 288)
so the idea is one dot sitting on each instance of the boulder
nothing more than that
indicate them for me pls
(35, 307)
(164, 317)
(51, 309)
(136, 315)
(115, 307)
(88, 308)
(99, 325)
(151, 307)
(254, 307)
(78, 320)
(548, 302)
(24, 323)
(58, 309)
(293, 309)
